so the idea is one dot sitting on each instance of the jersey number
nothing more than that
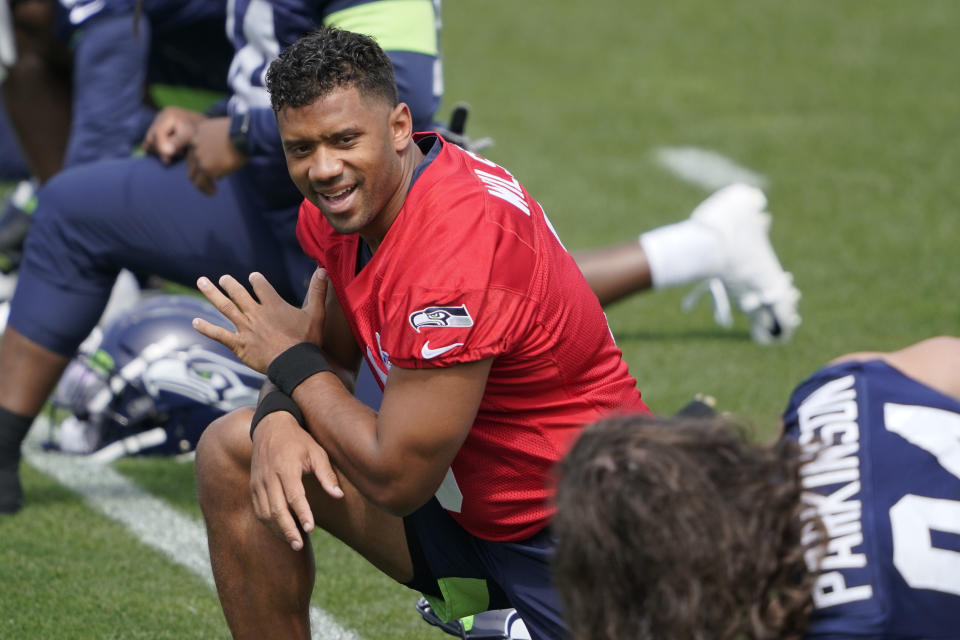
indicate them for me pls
(913, 517)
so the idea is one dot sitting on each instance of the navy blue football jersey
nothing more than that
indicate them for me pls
(261, 29)
(163, 14)
(884, 477)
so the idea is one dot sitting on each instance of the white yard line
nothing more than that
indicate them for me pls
(705, 168)
(155, 523)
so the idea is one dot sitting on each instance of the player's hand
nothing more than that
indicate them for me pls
(282, 454)
(266, 325)
(171, 132)
(212, 155)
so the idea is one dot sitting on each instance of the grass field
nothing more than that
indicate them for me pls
(849, 110)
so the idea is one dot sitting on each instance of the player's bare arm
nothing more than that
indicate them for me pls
(396, 458)
(171, 132)
(282, 451)
(935, 362)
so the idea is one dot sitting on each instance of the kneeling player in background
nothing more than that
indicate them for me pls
(846, 527)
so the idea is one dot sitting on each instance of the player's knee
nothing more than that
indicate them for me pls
(49, 239)
(223, 453)
(58, 199)
(70, 217)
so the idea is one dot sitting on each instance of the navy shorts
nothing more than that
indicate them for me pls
(461, 574)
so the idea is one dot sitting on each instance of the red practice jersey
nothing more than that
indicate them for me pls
(471, 269)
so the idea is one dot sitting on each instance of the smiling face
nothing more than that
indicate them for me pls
(350, 155)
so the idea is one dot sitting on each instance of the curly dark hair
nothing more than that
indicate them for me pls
(680, 528)
(328, 59)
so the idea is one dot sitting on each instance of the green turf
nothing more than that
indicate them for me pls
(196, 99)
(847, 108)
(66, 572)
(842, 107)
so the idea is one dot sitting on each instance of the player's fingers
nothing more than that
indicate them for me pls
(181, 134)
(280, 515)
(261, 504)
(150, 139)
(301, 508)
(330, 483)
(205, 183)
(200, 178)
(153, 141)
(263, 510)
(223, 304)
(325, 474)
(161, 125)
(165, 150)
(263, 289)
(237, 292)
(316, 292)
(169, 142)
(224, 336)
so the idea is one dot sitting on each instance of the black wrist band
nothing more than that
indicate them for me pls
(275, 401)
(239, 126)
(295, 365)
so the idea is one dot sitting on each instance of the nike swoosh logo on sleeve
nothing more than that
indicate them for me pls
(429, 353)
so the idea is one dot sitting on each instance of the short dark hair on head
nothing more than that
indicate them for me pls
(328, 59)
(679, 528)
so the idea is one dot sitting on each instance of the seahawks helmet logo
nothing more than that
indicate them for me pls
(441, 317)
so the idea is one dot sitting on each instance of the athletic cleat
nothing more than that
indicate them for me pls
(15, 221)
(500, 624)
(751, 272)
(722, 313)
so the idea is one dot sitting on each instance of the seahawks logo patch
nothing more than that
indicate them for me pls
(441, 317)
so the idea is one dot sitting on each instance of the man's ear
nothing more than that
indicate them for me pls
(401, 126)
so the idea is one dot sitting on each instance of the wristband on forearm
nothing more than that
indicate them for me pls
(272, 402)
(295, 365)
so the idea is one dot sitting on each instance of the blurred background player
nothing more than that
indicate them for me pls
(211, 196)
(78, 89)
(845, 528)
(724, 244)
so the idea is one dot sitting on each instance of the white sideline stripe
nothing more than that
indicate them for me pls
(155, 523)
(707, 169)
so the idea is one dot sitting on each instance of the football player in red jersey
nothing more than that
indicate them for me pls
(439, 269)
